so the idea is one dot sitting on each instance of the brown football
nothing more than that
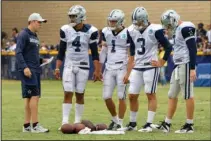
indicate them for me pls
(101, 126)
(78, 127)
(89, 124)
(67, 128)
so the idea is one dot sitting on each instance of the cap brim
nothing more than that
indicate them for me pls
(43, 20)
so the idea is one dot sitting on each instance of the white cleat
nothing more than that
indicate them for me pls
(39, 129)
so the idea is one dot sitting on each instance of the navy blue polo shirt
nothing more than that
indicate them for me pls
(27, 51)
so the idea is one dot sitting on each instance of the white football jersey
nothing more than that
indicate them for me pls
(146, 45)
(181, 51)
(117, 48)
(77, 51)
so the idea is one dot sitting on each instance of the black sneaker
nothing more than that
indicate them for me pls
(27, 129)
(113, 126)
(131, 126)
(164, 126)
(186, 128)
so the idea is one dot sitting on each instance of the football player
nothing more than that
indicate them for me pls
(76, 39)
(115, 47)
(184, 72)
(146, 37)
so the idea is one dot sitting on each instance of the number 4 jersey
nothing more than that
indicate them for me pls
(146, 45)
(78, 43)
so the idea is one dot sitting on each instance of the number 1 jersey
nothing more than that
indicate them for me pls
(146, 45)
(78, 42)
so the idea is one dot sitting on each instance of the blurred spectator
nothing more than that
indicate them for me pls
(3, 39)
(164, 68)
(15, 33)
(201, 31)
(43, 46)
(12, 44)
(209, 33)
(206, 45)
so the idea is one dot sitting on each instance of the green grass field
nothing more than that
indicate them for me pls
(50, 109)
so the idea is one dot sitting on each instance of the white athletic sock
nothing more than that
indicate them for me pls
(66, 108)
(150, 116)
(133, 116)
(167, 120)
(115, 119)
(79, 109)
(121, 122)
(189, 121)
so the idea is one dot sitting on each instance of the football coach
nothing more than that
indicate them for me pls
(28, 61)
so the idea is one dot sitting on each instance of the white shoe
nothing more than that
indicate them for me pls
(39, 129)
(146, 128)
(28, 129)
(187, 128)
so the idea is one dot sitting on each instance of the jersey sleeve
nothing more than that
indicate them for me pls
(94, 37)
(188, 32)
(63, 32)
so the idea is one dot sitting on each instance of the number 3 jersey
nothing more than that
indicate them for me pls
(78, 43)
(117, 48)
(146, 45)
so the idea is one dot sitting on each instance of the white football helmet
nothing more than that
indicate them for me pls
(140, 18)
(170, 20)
(76, 14)
(117, 16)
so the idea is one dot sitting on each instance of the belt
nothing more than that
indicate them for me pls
(120, 62)
(147, 63)
(83, 63)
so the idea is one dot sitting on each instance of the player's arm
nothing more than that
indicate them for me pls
(130, 64)
(61, 53)
(21, 44)
(95, 55)
(188, 34)
(103, 52)
(159, 35)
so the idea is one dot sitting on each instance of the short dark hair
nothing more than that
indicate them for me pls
(15, 29)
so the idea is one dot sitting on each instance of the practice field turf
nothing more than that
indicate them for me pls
(50, 109)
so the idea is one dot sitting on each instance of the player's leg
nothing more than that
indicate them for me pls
(136, 80)
(26, 95)
(109, 84)
(121, 91)
(82, 76)
(172, 101)
(68, 81)
(36, 127)
(27, 112)
(150, 76)
(187, 91)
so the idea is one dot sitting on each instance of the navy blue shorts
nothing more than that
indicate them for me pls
(30, 86)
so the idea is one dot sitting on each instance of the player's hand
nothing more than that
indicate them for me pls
(57, 73)
(126, 79)
(27, 72)
(192, 75)
(159, 63)
(97, 76)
